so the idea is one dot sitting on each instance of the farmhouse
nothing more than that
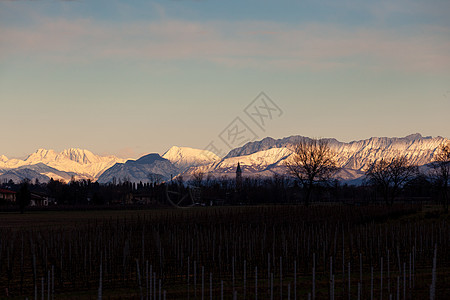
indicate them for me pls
(7, 195)
(39, 199)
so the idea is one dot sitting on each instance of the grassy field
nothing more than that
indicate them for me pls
(284, 251)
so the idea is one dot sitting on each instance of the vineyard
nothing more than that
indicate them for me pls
(260, 252)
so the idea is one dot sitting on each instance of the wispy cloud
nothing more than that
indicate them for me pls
(241, 44)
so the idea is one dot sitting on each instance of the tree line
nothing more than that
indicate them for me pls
(311, 177)
(313, 164)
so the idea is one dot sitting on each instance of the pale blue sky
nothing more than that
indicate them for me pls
(133, 77)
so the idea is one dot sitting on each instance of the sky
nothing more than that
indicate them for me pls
(134, 77)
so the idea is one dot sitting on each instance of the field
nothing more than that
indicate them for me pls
(264, 252)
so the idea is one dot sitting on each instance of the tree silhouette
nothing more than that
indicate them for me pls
(390, 175)
(312, 162)
(441, 166)
(24, 195)
(198, 178)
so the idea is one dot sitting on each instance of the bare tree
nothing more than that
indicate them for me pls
(441, 166)
(312, 162)
(390, 175)
(155, 178)
(179, 179)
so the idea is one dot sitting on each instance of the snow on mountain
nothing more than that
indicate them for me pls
(264, 163)
(264, 144)
(260, 158)
(11, 163)
(265, 157)
(83, 163)
(359, 154)
(148, 168)
(17, 175)
(41, 155)
(348, 175)
(50, 172)
(83, 156)
(184, 157)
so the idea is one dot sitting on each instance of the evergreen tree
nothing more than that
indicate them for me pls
(24, 196)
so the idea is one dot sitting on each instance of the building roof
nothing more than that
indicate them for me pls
(2, 191)
(39, 196)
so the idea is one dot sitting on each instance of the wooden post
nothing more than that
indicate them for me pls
(100, 287)
(210, 287)
(256, 283)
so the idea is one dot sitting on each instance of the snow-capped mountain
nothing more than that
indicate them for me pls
(45, 170)
(149, 168)
(80, 161)
(268, 156)
(359, 154)
(83, 164)
(184, 157)
(260, 158)
(263, 163)
(17, 175)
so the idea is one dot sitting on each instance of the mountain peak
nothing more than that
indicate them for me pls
(149, 158)
(75, 150)
(148, 168)
(177, 151)
(174, 148)
(414, 136)
(81, 162)
(43, 151)
(41, 155)
(186, 157)
(79, 155)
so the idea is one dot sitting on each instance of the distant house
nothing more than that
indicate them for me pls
(39, 199)
(125, 199)
(7, 195)
(142, 198)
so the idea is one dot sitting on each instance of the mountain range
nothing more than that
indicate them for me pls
(82, 164)
(259, 158)
(267, 157)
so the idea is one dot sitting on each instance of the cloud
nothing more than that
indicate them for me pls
(232, 44)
